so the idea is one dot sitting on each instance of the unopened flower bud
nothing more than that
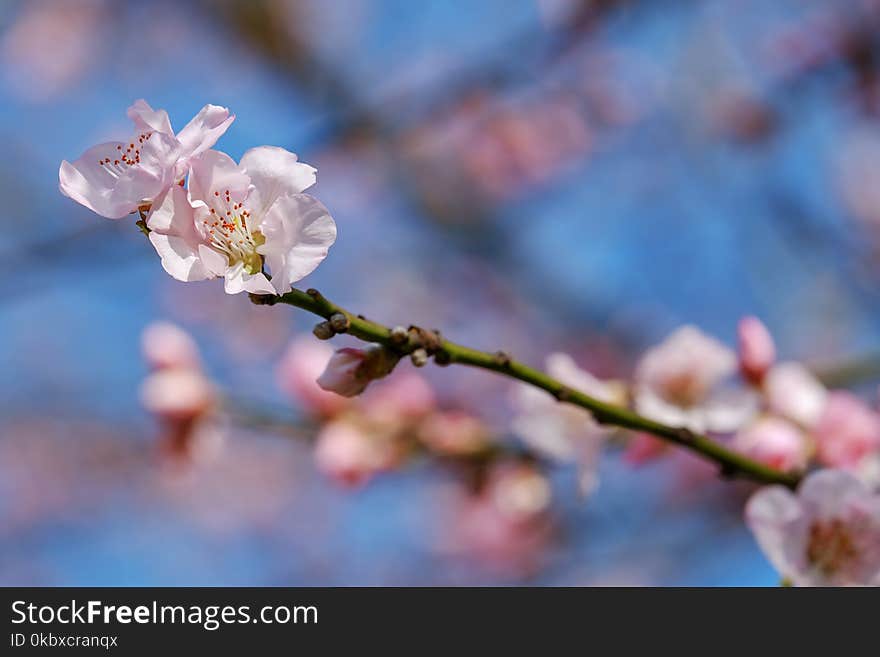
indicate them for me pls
(323, 331)
(339, 322)
(399, 335)
(757, 351)
(419, 357)
(301, 364)
(350, 370)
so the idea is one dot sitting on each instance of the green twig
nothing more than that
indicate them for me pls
(445, 352)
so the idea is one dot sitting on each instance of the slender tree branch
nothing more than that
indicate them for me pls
(444, 352)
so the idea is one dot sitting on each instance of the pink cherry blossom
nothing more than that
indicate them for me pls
(177, 394)
(350, 455)
(236, 218)
(794, 393)
(757, 351)
(506, 524)
(405, 397)
(350, 370)
(678, 382)
(114, 179)
(297, 373)
(165, 346)
(848, 432)
(774, 441)
(828, 534)
(454, 433)
(562, 431)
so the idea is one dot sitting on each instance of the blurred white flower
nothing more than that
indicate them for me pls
(678, 382)
(828, 534)
(562, 431)
(794, 393)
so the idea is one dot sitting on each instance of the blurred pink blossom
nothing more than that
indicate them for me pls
(177, 394)
(404, 397)
(644, 447)
(757, 351)
(775, 442)
(350, 455)
(454, 433)
(77, 34)
(297, 374)
(848, 431)
(678, 382)
(562, 431)
(165, 345)
(506, 524)
(793, 392)
(828, 534)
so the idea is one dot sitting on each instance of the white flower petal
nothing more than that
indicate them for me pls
(562, 367)
(299, 232)
(147, 119)
(211, 174)
(274, 172)
(780, 525)
(115, 189)
(793, 392)
(547, 433)
(178, 258)
(238, 280)
(204, 129)
(727, 411)
(827, 493)
(652, 406)
(214, 262)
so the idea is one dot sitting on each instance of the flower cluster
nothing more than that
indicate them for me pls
(208, 216)
(777, 413)
(376, 432)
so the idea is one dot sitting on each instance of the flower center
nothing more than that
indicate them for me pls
(226, 228)
(683, 389)
(831, 546)
(125, 156)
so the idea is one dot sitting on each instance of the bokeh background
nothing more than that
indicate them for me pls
(532, 175)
